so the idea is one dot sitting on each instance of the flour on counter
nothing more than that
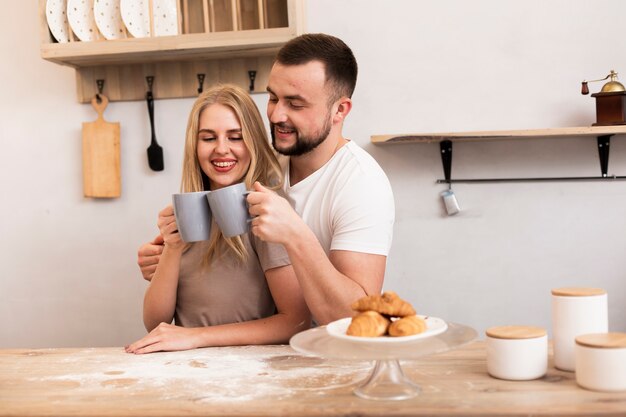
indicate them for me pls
(212, 374)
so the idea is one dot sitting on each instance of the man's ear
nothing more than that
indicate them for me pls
(344, 105)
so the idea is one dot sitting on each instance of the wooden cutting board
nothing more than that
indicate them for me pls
(101, 155)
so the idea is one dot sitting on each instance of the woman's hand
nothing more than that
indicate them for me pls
(166, 337)
(169, 229)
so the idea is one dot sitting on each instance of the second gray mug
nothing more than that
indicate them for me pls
(230, 210)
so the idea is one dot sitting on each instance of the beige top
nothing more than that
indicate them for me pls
(603, 340)
(577, 291)
(229, 291)
(515, 332)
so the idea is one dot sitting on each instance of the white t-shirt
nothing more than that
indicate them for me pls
(348, 202)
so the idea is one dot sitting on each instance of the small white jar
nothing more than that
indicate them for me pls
(601, 361)
(517, 353)
(576, 311)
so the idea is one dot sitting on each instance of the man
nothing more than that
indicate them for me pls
(336, 221)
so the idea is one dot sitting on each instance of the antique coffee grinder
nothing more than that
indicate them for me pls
(610, 101)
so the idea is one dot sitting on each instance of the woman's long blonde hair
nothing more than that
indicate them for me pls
(264, 166)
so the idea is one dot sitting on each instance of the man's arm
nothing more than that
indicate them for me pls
(329, 283)
(148, 257)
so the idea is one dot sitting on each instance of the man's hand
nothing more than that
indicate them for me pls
(169, 229)
(273, 218)
(148, 257)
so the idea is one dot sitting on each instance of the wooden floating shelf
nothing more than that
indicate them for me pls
(603, 135)
(559, 132)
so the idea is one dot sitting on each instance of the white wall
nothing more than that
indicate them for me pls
(68, 274)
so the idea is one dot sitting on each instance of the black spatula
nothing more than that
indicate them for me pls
(155, 152)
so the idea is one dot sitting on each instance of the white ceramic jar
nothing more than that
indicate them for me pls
(601, 361)
(517, 353)
(576, 311)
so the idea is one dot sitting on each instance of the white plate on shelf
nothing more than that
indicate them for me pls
(82, 22)
(109, 18)
(57, 20)
(165, 18)
(434, 326)
(136, 17)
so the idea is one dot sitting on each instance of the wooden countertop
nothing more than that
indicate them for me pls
(272, 381)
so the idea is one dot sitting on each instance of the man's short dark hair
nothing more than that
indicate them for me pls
(339, 62)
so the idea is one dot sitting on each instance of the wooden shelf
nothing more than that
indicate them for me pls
(205, 46)
(603, 135)
(244, 37)
(560, 132)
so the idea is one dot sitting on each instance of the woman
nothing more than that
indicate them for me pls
(225, 291)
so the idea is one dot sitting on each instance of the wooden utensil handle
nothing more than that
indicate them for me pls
(101, 106)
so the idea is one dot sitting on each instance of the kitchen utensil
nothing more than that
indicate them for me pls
(450, 202)
(610, 101)
(155, 152)
(101, 154)
(613, 86)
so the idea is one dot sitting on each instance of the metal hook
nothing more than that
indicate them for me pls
(252, 76)
(200, 82)
(100, 84)
(150, 80)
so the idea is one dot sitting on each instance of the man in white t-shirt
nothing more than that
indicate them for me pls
(336, 221)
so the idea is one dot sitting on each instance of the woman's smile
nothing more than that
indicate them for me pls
(224, 165)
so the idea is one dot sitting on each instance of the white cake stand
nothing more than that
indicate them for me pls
(386, 381)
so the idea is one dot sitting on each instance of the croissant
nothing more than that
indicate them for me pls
(407, 326)
(388, 303)
(368, 324)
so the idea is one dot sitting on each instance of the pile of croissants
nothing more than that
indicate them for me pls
(384, 314)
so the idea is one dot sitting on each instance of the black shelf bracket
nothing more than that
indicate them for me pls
(446, 159)
(604, 147)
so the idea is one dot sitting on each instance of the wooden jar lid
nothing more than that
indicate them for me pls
(577, 291)
(602, 340)
(515, 332)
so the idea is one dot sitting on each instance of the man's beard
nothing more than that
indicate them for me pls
(304, 144)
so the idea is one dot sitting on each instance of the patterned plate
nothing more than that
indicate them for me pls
(80, 16)
(109, 18)
(57, 20)
(136, 17)
(165, 18)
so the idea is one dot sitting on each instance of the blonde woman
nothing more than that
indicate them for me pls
(225, 291)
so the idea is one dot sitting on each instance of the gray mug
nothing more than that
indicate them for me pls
(193, 216)
(230, 210)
